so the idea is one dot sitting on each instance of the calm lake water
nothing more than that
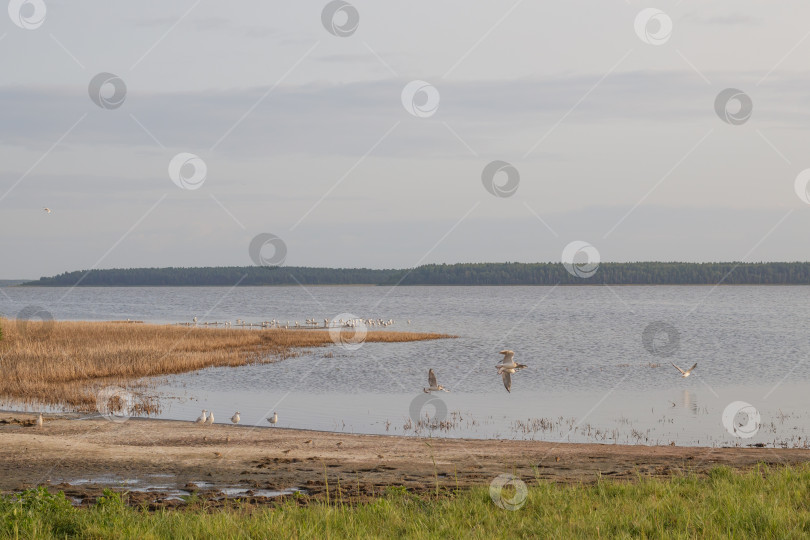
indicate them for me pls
(593, 375)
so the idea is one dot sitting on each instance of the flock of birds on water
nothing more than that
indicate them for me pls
(309, 323)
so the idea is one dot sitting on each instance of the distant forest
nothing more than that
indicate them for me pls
(639, 273)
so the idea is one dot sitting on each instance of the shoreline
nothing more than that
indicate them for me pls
(71, 456)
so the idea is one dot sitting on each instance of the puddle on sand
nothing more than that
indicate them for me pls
(103, 480)
(246, 492)
(170, 492)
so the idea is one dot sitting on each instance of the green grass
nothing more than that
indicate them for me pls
(764, 503)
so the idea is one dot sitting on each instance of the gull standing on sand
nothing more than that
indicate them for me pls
(201, 418)
(235, 418)
(210, 419)
(687, 372)
(432, 382)
(274, 419)
(506, 367)
(39, 420)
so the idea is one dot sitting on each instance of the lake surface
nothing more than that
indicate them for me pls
(593, 375)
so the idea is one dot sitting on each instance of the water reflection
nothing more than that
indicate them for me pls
(688, 402)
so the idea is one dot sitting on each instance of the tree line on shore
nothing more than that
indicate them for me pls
(635, 273)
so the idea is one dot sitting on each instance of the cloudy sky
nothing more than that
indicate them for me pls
(606, 111)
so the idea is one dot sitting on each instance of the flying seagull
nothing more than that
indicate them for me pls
(687, 372)
(432, 382)
(506, 367)
(46, 210)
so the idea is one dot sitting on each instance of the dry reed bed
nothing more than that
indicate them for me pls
(67, 363)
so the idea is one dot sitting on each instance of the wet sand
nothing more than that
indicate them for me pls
(174, 455)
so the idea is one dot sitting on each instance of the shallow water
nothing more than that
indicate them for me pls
(169, 491)
(590, 376)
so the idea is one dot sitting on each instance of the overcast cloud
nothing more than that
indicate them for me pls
(304, 134)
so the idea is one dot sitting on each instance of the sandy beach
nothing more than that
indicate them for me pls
(69, 453)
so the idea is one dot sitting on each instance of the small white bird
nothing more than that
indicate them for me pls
(432, 382)
(201, 418)
(39, 420)
(274, 419)
(506, 367)
(46, 210)
(235, 418)
(210, 419)
(687, 372)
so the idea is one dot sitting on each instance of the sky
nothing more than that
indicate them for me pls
(173, 133)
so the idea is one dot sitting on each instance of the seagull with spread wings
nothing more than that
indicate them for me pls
(434, 387)
(687, 372)
(506, 367)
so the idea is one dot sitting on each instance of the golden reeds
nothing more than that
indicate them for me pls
(67, 363)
